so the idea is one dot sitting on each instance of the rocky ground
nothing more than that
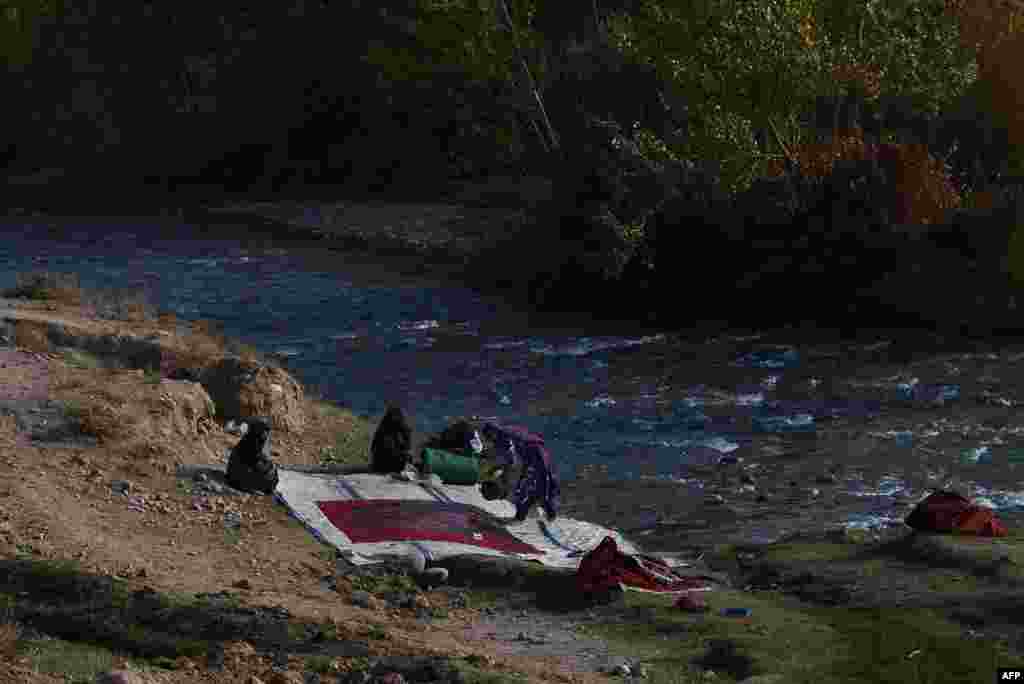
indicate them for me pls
(90, 462)
(99, 485)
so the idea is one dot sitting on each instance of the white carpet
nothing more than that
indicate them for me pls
(560, 543)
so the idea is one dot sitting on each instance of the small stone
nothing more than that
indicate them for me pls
(433, 577)
(121, 486)
(362, 598)
(242, 584)
(714, 500)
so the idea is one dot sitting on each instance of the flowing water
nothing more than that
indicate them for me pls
(895, 412)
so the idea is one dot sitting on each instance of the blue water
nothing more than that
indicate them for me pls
(638, 405)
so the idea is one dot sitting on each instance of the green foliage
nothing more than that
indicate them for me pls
(466, 34)
(748, 65)
(19, 23)
(77, 662)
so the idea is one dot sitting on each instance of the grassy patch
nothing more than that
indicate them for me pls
(351, 435)
(473, 672)
(152, 376)
(811, 551)
(321, 664)
(385, 584)
(803, 643)
(377, 633)
(61, 288)
(232, 536)
(82, 360)
(78, 662)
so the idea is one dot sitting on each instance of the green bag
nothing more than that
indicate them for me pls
(452, 468)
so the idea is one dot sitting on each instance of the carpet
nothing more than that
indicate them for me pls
(376, 517)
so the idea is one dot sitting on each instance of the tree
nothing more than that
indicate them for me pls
(19, 25)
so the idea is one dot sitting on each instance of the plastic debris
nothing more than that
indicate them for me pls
(735, 612)
(752, 399)
(979, 455)
(600, 402)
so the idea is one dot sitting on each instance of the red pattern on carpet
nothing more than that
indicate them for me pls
(384, 520)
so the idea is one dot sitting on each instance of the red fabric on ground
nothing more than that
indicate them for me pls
(951, 512)
(382, 520)
(605, 567)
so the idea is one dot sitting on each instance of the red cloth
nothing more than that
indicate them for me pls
(605, 567)
(951, 512)
(382, 520)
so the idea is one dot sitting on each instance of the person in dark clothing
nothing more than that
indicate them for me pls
(529, 478)
(250, 465)
(391, 449)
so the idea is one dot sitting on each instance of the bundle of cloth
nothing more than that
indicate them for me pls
(948, 511)
(607, 568)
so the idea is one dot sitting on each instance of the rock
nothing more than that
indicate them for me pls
(356, 677)
(362, 599)
(121, 486)
(285, 678)
(714, 500)
(250, 466)
(690, 603)
(122, 677)
(243, 584)
(391, 678)
(391, 448)
(185, 374)
(433, 577)
(244, 389)
(235, 427)
(620, 670)
(827, 479)
(185, 406)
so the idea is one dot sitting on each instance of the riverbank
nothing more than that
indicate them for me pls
(925, 604)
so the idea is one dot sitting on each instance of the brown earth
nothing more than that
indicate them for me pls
(58, 504)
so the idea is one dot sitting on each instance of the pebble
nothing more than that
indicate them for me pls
(121, 486)
(361, 598)
(434, 576)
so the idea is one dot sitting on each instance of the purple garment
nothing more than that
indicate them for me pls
(538, 483)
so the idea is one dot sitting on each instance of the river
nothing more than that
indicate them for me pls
(890, 412)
